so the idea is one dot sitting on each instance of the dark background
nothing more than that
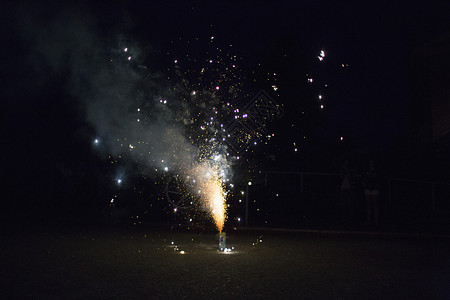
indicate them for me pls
(380, 104)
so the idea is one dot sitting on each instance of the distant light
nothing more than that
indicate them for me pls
(119, 181)
(126, 49)
(239, 219)
(139, 109)
(320, 96)
(321, 106)
(249, 183)
(112, 200)
(166, 169)
(96, 141)
(342, 138)
(129, 57)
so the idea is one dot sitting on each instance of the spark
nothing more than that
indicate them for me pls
(321, 55)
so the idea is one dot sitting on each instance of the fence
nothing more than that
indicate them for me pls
(293, 198)
(418, 194)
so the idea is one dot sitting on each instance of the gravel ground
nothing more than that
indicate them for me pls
(138, 263)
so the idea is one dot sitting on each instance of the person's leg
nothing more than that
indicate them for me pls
(368, 207)
(375, 207)
(351, 206)
(343, 205)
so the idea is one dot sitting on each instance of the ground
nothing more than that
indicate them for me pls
(147, 263)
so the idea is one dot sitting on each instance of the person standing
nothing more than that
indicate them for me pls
(346, 199)
(371, 184)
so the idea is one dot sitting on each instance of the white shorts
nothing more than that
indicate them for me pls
(371, 192)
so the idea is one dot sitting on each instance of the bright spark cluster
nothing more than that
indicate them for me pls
(207, 87)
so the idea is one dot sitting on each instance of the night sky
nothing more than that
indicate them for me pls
(67, 82)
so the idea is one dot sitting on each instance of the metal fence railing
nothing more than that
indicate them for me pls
(283, 196)
(418, 194)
